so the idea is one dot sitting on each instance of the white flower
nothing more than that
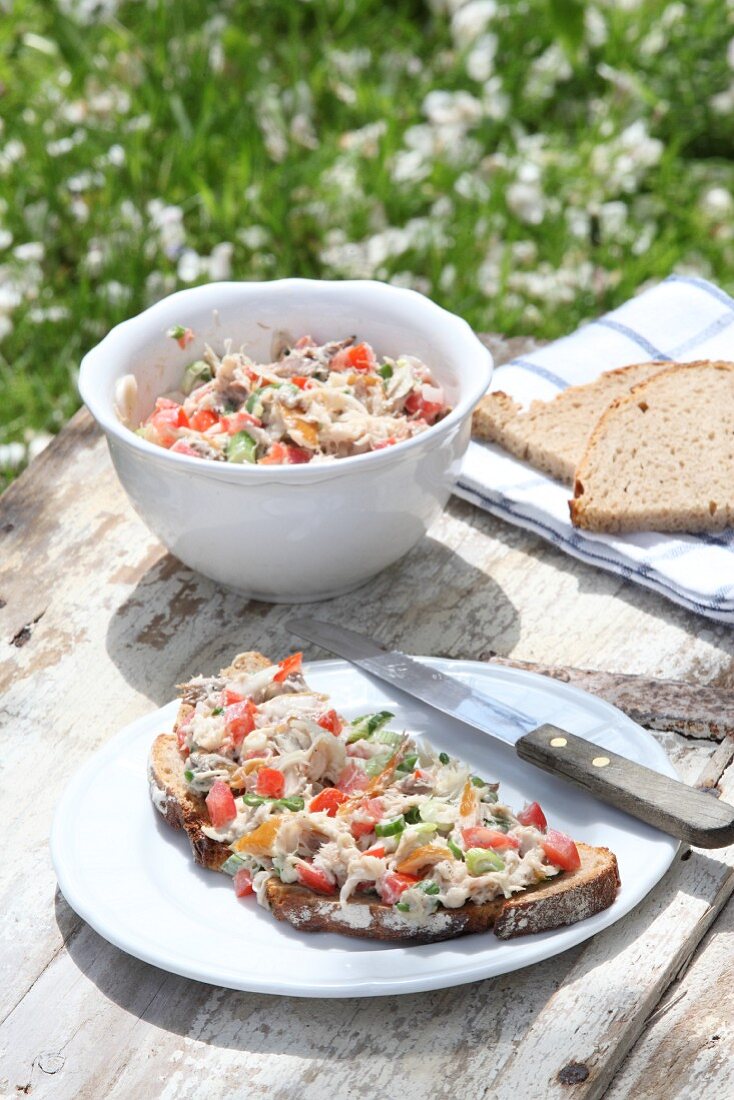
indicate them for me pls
(12, 455)
(254, 237)
(480, 60)
(409, 166)
(116, 155)
(722, 103)
(31, 252)
(717, 204)
(452, 108)
(220, 261)
(189, 266)
(613, 218)
(11, 152)
(471, 20)
(366, 140)
(527, 201)
(595, 26)
(6, 238)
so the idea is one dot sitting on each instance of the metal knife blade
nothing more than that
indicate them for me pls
(667, 804)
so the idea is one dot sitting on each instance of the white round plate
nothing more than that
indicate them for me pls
(132, 877)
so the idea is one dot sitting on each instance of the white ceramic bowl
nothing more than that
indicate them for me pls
(288, 533)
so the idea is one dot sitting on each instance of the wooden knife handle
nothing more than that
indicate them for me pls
(674, 807)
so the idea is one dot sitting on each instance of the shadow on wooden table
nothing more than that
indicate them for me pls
(176, 623)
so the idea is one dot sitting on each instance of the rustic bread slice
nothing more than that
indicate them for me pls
(565, 899)
(661, 458)
(552, 435)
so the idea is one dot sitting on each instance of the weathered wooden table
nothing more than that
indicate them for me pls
(97, 625)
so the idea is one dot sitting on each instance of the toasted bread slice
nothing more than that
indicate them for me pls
(661, 457)
(565, 899)
(552, 435)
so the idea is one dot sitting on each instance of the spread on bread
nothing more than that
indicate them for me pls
(313, 403)
(292, 792)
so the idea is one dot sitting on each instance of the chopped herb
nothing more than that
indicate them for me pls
(217, 710)
(444, 757)
(385, 370)
(477, 782)
(402, 906)
(189, 775)
(429, 887)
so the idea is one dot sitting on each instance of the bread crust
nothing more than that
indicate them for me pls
(564, 899)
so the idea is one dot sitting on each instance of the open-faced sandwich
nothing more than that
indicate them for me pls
(351, 826)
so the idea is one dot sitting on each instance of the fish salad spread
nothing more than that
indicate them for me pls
(350, 808)
(314, 403)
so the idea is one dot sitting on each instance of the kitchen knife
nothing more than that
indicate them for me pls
(674, 807)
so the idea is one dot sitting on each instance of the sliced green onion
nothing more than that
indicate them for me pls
(253, 800)
(378, 763)
(481, 860)
(444, 757)
(413, 815)
(218, 710)
(241, 447)
(385, 370)
(387, 737)
(295, 803)
(424, 828)
(402, 906)
(195, 375)
(390, 828)
(408, 762)
(232, 865)
(456, 850)
(477, 782)
(367, 725)
(429, 887)
(189, 775)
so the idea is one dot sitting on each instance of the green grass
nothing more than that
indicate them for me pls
(239, 114)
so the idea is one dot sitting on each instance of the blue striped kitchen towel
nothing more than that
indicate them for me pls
(683, 318)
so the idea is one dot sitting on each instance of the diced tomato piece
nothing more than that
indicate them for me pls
(281, 454)
(166, 419)
(352, 778)
(203, 419)
(426, 403)
(287, 667)
(182, 336)
(229, 698)
(239, 421)
(561, 850)
(478, 836)
(328, 801)
(183, 447)
(220, 804)
(330, 721)
(533, 815)
(359, 357)
(270, 782)
(298, 455)
(377, 850)
(394, 885)
(242, 882)
(239, 720)
(370, 812)
(315, 879)
(385, 443)
(300, 380)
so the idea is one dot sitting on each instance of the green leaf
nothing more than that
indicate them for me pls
(567, 21)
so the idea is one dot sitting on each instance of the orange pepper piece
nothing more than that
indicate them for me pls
(260, 841)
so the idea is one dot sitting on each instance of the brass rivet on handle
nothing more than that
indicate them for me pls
(558, 742)
(600, 761)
